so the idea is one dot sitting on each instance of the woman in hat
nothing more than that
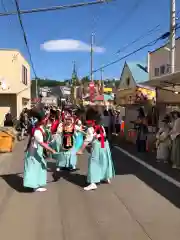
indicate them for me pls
(100, 165)
(35, 170)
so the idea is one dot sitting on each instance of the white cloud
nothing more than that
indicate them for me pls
(69, 45)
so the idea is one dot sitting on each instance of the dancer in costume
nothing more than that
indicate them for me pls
(66, 158)
(100, 166)
(79, 133)
(35, 170)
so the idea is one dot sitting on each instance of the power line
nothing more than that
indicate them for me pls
(25, 38)
(121, 22)
(112, 31)
(127, 55)
(54, 8)
(149, 32)
(163, 36)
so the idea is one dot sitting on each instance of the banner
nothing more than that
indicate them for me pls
(91, 90)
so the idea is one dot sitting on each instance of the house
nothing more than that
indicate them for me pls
(159, 60)
(132, 75)
(15, 92)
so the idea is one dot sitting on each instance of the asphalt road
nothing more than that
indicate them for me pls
(138, 205)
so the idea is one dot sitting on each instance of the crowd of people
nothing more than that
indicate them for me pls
(168, 140)
(167, 137)
(62, 135)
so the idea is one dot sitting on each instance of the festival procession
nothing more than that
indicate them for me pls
(63, 136)
(89, 120)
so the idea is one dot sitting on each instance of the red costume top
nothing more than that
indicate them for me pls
(98, 132)
(54, 126)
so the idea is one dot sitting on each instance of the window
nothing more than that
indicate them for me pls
(127, 81)
(24, 75)
(156, 72)
(162, 69)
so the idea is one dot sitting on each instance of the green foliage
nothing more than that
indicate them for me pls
(48, 83)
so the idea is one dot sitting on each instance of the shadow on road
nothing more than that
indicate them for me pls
(51, 166)
(75, 178)
(15, 182)
(125, 165)
(72, 177)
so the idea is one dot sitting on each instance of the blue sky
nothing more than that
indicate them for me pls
(115, 25)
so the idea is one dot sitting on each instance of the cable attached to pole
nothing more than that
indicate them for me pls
(26, 43)
(163, 36)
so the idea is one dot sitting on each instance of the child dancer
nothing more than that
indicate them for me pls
(100, 165)
(35, 170)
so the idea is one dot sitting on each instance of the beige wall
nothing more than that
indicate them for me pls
(11, 62)
(161, 57)
(123, 80)
(124, 90)
(167, 97)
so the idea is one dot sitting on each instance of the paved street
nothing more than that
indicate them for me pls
(138, 205)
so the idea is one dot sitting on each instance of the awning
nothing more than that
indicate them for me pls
(169, 82)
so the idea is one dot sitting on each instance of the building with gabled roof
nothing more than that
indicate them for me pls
(130, 89)
(132, 74)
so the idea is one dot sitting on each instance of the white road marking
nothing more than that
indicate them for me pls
(149, 167)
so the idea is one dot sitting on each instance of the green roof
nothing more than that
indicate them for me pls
(139, 72)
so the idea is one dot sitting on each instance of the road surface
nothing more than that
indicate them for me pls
(138, 205)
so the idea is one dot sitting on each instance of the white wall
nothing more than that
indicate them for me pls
(161, 57)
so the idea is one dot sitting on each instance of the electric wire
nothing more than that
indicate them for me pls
(121, 22)
(148, 33)
(162, 37)
(25, 37)
(113, 30)
(54, 8)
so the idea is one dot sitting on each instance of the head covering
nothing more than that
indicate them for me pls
(39, 115)
(91, 114)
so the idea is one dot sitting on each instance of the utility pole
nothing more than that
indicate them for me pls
(36, 81)
(102, 71)
(172, 39)
(91, 85)
(102, 82)
(92, 43)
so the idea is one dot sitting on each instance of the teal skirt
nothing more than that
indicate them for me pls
(35, 169)
(79, 141)
(64, 159)
(100, 164)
